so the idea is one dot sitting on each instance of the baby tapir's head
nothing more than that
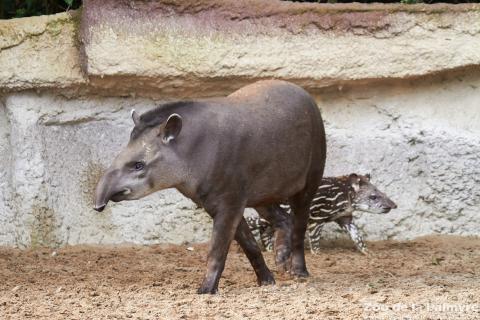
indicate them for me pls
(367, 197)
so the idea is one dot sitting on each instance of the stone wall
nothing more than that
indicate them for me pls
(398, 87)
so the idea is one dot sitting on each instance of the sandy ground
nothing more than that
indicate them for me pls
(430, 278)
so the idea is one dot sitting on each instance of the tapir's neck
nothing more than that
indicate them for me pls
(190, 190)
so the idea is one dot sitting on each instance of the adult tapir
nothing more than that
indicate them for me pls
(257, 147)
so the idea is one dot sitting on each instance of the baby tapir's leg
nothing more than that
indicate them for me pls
(282, 223)
(347, 224)
(262, 230)
(314, 232)
(266, 235)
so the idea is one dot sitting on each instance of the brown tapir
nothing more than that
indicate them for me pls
(257, 147)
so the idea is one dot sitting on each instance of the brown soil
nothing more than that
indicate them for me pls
(430, 278)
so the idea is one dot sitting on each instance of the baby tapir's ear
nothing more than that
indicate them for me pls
(354, 181)
(171, 129)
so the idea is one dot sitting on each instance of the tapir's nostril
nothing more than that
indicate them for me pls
(99, 208)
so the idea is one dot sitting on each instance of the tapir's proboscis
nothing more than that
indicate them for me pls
(262, 145)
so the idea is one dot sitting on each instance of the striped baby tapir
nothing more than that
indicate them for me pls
(335, 201)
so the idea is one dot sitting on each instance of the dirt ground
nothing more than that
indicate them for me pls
(430, 278)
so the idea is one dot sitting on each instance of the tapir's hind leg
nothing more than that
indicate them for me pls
(300, 204)
(228, 223)
(246, 240)
(281, 222)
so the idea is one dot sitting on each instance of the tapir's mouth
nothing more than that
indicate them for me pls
(116, 197)
(386, 210)
(119, 196)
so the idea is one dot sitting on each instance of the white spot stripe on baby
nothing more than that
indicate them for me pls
(314, 207)
(318, 218)
(329, 211)
(325, 186)
(317, 210)
(318, 199)
(341, 203)
(318, 204)
(314, 226)
(335, 198)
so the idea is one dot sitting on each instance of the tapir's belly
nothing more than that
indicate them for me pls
(279, 178)
(274, 154)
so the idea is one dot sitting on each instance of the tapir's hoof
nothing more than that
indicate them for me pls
(209, 285)
(300, 272)
(365, 252)
(206, 290)
(266, 280)
(283, 267)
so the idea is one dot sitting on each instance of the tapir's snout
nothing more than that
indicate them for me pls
(103, 191)
(99, 208)
(389, 206)
(111, 187)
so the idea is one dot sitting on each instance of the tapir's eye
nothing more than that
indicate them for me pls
(373, 197)
(139, 165)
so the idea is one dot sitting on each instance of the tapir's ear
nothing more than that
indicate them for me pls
(135, 117)
(354, 181)
(172, 127)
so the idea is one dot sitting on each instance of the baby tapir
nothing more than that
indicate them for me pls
(336, 199)
(260, 146)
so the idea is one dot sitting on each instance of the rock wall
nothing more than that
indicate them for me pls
(7, 217)
(398, 87)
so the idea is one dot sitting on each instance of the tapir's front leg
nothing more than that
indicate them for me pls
(225, 223)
